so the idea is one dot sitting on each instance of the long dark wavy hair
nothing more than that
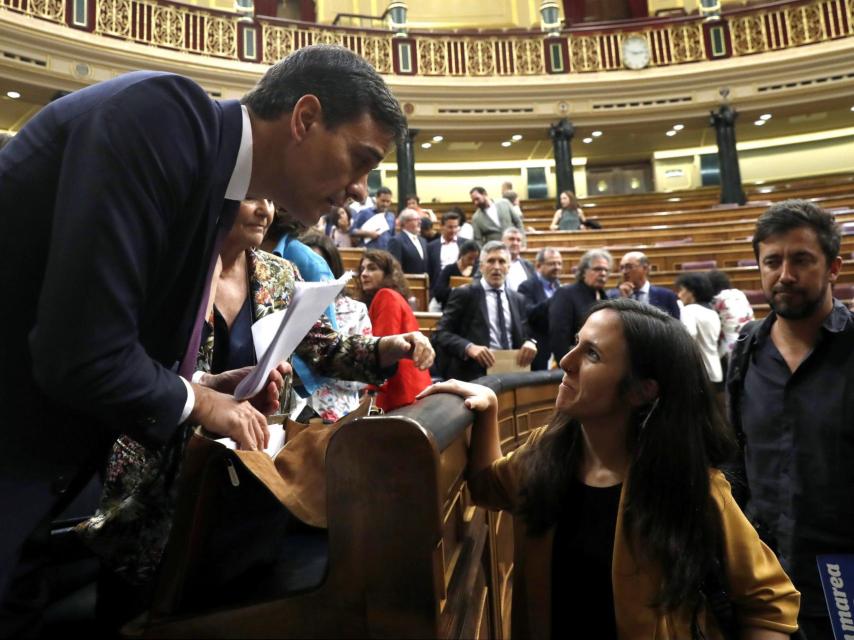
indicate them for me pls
(669, 516)
(393, 277)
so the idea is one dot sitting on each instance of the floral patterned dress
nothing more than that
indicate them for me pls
(132, 524)
(336, 399)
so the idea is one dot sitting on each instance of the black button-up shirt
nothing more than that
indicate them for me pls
(799, 453)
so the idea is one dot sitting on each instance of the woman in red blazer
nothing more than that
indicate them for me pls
(382, 286)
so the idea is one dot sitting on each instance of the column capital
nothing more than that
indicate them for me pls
(562, 130)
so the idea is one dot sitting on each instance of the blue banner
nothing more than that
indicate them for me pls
(837, 580)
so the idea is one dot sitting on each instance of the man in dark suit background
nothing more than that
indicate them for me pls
(133, 180)
(635, 268)
(538, 292)
(570, 303)
(369, 238)
(481, 317)
(444, 250)
(408, 246)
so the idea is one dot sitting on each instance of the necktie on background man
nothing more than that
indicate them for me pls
(226, 219)
(502, 323)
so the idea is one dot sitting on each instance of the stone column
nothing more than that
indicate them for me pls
(405, 167)
(561, 134)
(723, 120)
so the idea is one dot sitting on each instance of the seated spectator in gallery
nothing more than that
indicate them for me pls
(569, 217)
(520, 268)
(701, 320)
(538, 292)
(374, 238)
(571, 302)
(732, 306)
(482, 317)
(466, 266)
(408, 247)
(382, 286)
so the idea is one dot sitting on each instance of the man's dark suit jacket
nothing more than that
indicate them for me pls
(109, 200)
(401, 247)
(538, 319)
(568, 307)
(434, 260)
(660, 297)
(466, 320)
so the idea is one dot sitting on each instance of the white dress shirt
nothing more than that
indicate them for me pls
(237, 188)
(449, 252)
(492, 310)
(416, 240)
(517, 275)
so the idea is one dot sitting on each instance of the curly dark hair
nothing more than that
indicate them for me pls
(393, 277)
(669, 515)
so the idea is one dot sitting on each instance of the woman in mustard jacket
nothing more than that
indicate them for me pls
(623, 526)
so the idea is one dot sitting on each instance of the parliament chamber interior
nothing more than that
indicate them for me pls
(676, 123)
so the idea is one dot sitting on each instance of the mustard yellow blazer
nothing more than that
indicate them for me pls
(762, 593)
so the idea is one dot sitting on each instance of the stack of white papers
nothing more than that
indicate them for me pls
(277, 335)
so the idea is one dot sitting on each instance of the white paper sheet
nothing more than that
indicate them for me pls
(309, 301)
(376, 222)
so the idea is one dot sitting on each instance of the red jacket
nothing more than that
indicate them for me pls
(391, 315)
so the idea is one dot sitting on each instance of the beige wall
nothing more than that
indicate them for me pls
(773, 162)
(453, 184)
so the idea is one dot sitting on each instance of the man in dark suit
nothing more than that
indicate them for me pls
(483, 316)
(635, 268)
(538, 292)
(445, 249)
(520, 269)
(133, 179)
(408, 246)
(570, 303)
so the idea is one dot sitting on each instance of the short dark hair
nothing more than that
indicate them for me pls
(451, 215)
(480, 190)
(542, 253)
(314, 240)
(782, 217)
(460, 213)
(383, 190)
(719, 280)
(698, 284)
(412, 196)
(469, 246)
(345, 83)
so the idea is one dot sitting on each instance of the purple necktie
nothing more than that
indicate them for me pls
(188, 363)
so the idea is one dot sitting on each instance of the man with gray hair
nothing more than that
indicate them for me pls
(482, 317)
(520, 269)
(408, 246)
(538, 292)
(636, 285)
(570, 303)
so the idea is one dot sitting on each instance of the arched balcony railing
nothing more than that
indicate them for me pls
(582, 49)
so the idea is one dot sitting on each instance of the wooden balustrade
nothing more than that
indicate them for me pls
(406, 554)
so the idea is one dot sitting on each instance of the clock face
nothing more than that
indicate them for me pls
(636, 52)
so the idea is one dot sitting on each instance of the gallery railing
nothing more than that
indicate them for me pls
(587, 48)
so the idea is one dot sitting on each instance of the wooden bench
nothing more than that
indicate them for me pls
(409, 555)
